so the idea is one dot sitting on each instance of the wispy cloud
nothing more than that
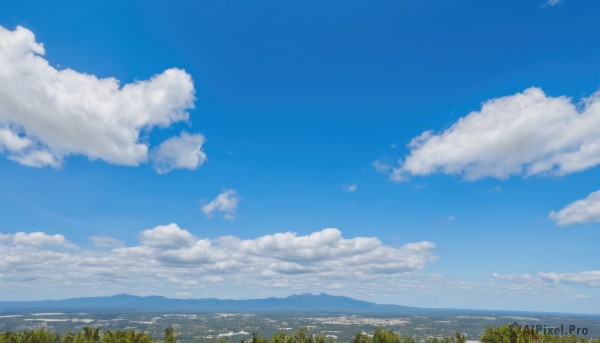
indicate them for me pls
(387, 169)
(350, 188)
(512, 277)
(551, 3)
(104, 241)
(496, 189)
(450, 219)
(225, 203)
(552, 279)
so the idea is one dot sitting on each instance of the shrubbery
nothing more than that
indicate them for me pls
(509, 334)
(88, 335)
(504, 334)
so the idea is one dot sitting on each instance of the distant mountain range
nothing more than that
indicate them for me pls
(322, 303)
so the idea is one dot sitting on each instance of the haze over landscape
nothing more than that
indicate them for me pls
(412, 154)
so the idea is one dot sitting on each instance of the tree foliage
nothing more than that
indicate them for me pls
(510, 334)
(504, 334)
(88, 335)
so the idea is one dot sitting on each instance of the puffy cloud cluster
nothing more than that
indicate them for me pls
(226, 202)
(35, 239)
(166, 236)
(580, 211)
(528, 133)
(168, 257)
(47, 114)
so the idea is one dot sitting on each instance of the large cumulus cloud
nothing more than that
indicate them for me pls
(48, 114)
(528, 133)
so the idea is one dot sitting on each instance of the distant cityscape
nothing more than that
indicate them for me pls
(341, 325)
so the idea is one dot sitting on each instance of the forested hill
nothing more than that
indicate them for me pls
(126, 302)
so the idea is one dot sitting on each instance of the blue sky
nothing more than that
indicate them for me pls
(283, 118)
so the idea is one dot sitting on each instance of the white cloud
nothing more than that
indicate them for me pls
(512, 277)
(179, 260)
(12, 142)
(580, 211)
(103, 241)
(450, 219)
(395, 174)
(590, 278)
(551, 3)
(350, 188)
(526, 134)
(180, 152)
(552, 279)
(48, 114)
(35, 239)
(167, 236)
(226, 203)
(381, 167)
(496, 189)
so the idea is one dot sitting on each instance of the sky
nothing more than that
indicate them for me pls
(423, 153)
